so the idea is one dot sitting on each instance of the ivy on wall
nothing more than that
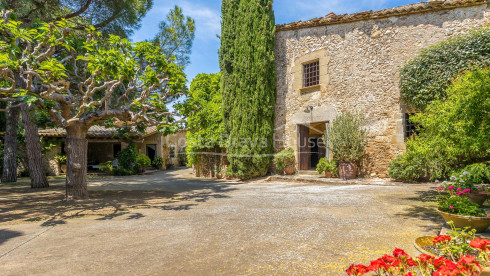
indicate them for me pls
(427, 77)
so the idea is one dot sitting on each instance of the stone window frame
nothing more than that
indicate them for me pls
(311, 73)
(297, 71)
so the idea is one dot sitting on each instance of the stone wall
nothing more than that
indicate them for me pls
(363, 59)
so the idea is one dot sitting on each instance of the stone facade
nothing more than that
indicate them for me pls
(176, 143)
(361, 62)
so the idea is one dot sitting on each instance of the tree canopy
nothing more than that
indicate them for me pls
(118, 17)
(175, 36)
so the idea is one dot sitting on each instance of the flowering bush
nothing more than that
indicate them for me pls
(453, 197)
(401, 264)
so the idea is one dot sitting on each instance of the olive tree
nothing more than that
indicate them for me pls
(88, 82)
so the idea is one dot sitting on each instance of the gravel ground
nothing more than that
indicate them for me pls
(223, 228)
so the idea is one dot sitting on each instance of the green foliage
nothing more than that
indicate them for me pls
(455, 131)
(142, 162)
(123, 172)
(176, 35)
(158, 162)
(427, 77)
(248, 81)
(284, 159)
(127, 158)
(325, 165)
(60, 159)
(347, 137)
(106, 167)
(460, 206)
(119, 17)
(478, 173)
(204, 116)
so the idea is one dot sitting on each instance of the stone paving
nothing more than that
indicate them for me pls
(225, 228)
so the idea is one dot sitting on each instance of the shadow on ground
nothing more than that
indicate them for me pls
(423, 207)
(109, 197)
(6, 235)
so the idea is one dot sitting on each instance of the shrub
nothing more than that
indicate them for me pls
(455, 131)
(460, 205)
(158, 162)
(60, 159)
(347, 137)
(127, 158)
(284, 159)
(142, 162)
(478, 173)
(106, 167)
(427, 77)
(123, 172)
(327, 166)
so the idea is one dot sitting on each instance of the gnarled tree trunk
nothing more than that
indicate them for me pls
(33, 148)
(10, 146)
(76, 162)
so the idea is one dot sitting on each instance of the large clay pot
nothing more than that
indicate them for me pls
(219, 175)
(347, 170)
(478, 197)
(422, 242)
(480, 224)
(328, 174)
(289, 170)
(63, 168)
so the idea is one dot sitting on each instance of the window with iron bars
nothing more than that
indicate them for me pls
(410, 127)
(311, 74)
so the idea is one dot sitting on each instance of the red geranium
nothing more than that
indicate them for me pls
(357, 270)
(442, 238)
(482, 244)
(399, 253)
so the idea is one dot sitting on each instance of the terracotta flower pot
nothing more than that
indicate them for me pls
(478, 197)
(328, 174)
(422, 242)
(219, 175)
(63, 168)
(289, 170)
(480, 224)
(347, 170)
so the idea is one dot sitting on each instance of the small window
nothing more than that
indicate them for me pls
(410, 127)
(311, 74)
(171, 152)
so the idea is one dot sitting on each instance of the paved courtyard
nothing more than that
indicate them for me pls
(175, 224)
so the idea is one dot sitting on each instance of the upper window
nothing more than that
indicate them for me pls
(311, 74)
(410, 127)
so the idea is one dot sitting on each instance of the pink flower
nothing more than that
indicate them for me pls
(440, 188)
(459, 189)
(466, 191)
(451, 207)
(450, 188)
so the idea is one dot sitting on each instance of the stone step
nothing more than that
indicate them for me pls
(308, 172)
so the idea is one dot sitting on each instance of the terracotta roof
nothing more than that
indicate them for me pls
(93, 132)
(421, 7)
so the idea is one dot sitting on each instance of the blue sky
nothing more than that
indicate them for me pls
(207, 14)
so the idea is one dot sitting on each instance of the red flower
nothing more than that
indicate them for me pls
(425, 258)
(357, 270)
(442, 238)
(388, 259)
(482, 244)
(411, 262)
(399, 253)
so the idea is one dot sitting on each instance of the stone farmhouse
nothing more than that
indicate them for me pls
(105, 145)
(351, 63)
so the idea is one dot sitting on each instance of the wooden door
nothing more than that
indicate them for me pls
(303, 147)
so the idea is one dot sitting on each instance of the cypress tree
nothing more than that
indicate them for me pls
(248, 82)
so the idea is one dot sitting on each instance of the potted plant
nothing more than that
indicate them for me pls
(61, 160)
(219, 175)
(456, 207)
(157, 162)
(142, 162)
(329, 167)
(285, 161)
(459, 242)
(464, 181)
(347, 139)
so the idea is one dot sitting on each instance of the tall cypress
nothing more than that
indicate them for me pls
(248, 82)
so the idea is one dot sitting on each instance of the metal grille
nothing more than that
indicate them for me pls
(410, 128)
(311, 74)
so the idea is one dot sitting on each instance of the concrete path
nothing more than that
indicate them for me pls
(226, 228)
